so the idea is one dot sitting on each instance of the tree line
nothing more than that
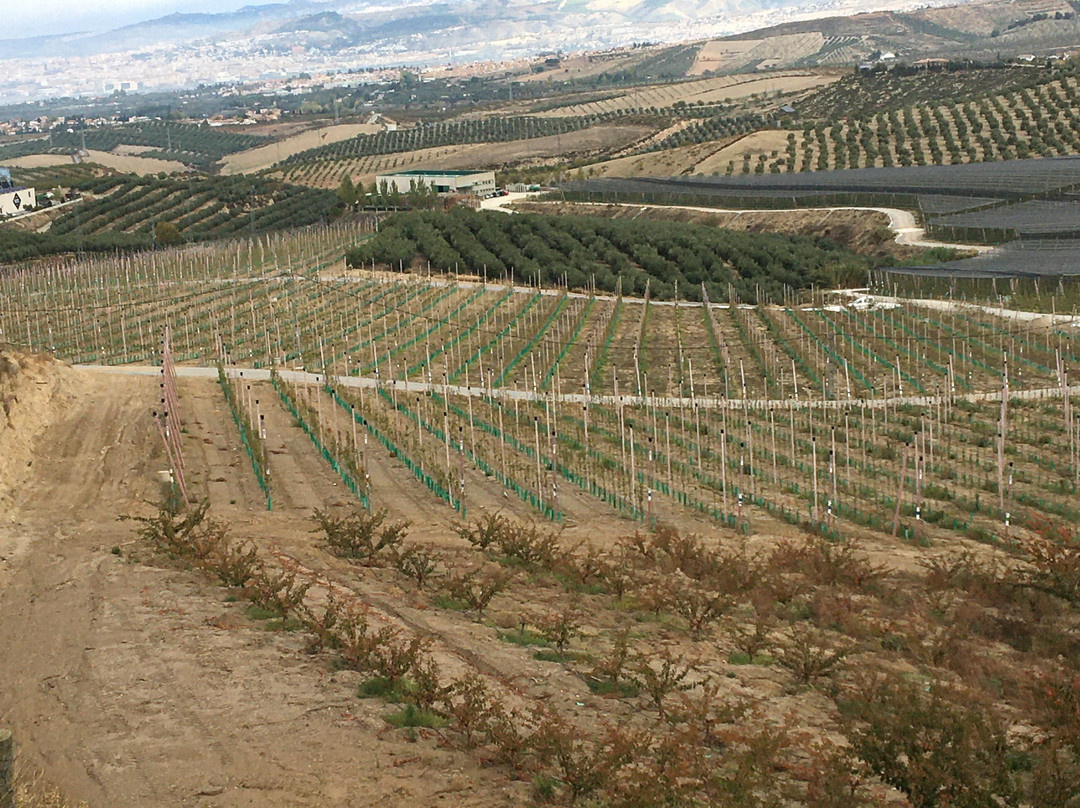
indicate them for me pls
(583, 252)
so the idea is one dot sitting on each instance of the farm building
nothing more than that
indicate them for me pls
(444, 182)
(14, 198)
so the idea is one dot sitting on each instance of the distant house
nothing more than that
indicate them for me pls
(787, 109)
(14, 198)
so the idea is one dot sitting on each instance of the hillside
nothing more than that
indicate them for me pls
(554, 545)
(982, 30)
(128, 212)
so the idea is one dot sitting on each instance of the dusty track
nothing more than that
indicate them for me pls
(132, 683)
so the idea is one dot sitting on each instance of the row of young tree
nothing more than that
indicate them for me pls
(1041, 121)
(131, 212)
(193, 144)
(607, 254)
(449, 133)
(21, 245)
(420, 196)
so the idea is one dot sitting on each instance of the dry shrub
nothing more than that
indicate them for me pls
(585, 565)
(416, 563)
(746, 774)
(585, 766)
(561, 627)
(698, 606)
(237, 565)
(966, 571)
(184, 532)
(666, 772)
(712, 717)
(685, 553)
(662, 673)
(9, 367)
(360, 534)
(504, 734)
(190, 534)
(837, 610)
(278, 592)
(525, 544)
(1053, 550)
(1057, 701)
(612, 667)
(483, 533)
(835, 778)
(475, 589)
(392, 657)
(826, 563)
(753, 639)
(938, 745)
(810, 654)
(334, 625)
(668, 551)
(468, 702)
(1055, 776)
(618, 573)
(32, 791)
(530, 546)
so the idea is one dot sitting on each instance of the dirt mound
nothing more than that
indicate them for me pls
(34, 390)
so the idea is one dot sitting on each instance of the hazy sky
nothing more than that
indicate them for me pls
(24, 18)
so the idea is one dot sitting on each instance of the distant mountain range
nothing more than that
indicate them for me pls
(335, 24)
(279, 40)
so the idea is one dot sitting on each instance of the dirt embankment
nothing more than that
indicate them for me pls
(132, 682)
(34, 390)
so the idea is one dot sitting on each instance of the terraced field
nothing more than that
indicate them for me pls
(188, 144)
(1028, 122)
(123, 211)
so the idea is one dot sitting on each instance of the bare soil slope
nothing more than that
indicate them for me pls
(131, 683)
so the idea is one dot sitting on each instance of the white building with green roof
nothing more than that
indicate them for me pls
(479, 183)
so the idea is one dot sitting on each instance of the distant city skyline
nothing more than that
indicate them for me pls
(44, 17)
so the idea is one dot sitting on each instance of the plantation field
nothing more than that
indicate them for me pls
(771, 540)
(976, 203)
(864, 231)
(588, 65)
(122, 211)
(666, 163)
(1035, 119)
(585, 252)
(582, 142)
(708, 91)
(262, 157)
(743, 55)
(763, 142)
(127, 163)
(190, 144)
(696, 549)
(47, 177)
(441, 133)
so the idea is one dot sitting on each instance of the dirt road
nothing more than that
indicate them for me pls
(132, 683)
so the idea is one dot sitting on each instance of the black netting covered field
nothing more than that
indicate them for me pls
(1040, 217)
(1042, 258)
(1010, 179)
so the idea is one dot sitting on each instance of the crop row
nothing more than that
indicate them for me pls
(192, 144)
(444, 133)
(1038, 121)
(201, 208)
(585, 252)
